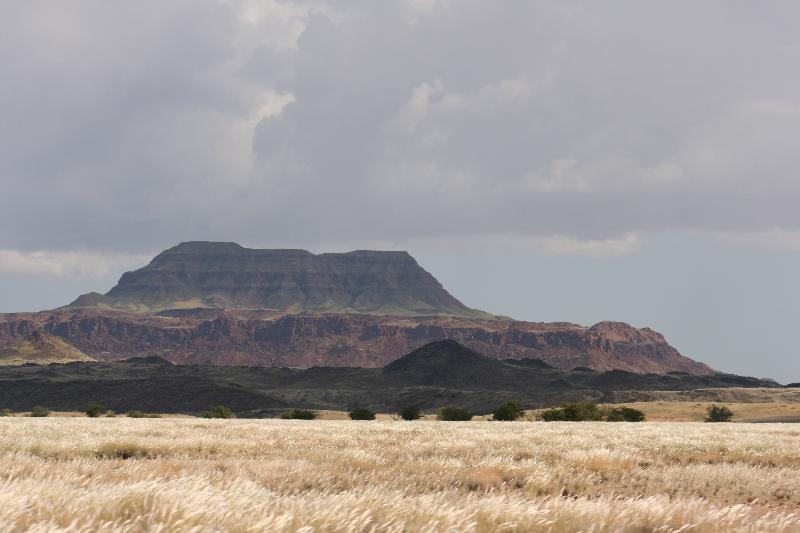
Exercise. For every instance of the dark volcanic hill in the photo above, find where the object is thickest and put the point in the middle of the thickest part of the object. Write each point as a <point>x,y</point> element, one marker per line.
<point>447,364</point>
<point>228,276</point>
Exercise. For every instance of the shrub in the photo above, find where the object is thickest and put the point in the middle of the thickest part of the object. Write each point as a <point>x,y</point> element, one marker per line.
<point>508,412</point>
<point>299,414</point>
<point>94,410</point>
<point>123,450</point>
<point>220,411</point>
<point>454,414</point>
<point>581,411</point>
<point>140,414</point>
<point>39,411</point>
<point>718,413</point>
<point>552,415</point>
<point>625,414</point>
<point>5,412</point>
<point>574,412</point>
<point>361,413</point>
<point>409,413</point>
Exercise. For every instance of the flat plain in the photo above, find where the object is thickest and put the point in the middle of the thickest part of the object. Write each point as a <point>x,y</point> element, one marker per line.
<point>173,474</point>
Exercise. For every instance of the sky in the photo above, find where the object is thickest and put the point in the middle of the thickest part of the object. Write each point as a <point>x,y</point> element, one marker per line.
<point>550,161</point>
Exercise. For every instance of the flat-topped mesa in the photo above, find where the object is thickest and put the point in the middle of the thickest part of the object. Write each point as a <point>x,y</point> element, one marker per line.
<point>227,275</point>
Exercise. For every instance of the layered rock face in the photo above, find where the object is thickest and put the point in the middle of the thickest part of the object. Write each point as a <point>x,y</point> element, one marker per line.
<point>226,275</point>
<point>253,338</point>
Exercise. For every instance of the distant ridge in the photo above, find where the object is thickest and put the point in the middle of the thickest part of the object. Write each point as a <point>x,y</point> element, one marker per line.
<point>222,304</point>
<point>225,275</point>
<point>147,360</point>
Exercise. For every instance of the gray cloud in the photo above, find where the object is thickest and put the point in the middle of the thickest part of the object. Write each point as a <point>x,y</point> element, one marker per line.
<point>127,128</point>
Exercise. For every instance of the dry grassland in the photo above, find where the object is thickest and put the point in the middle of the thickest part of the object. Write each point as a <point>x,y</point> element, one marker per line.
<point>696,411</point>
<point>79,474</point>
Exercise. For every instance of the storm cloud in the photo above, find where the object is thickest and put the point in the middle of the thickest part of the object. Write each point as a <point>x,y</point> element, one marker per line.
<point>130,127</point>
<point>563,160</point>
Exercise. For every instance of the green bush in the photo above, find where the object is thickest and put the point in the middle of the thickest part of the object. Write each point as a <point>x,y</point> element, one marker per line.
<point>508,412</point>
<point>94,410</point>
<point>5,412</point>
<point>39,411</point>
<point>409,413</point>
<point>573,412</point>
<point>588,412</point>
<point>220,411</point>
<point>556,414</point>
<point>625,414</point>
<point>454,414</point>
<point>140,414</point>
<point>299,414</point>
<point>361,413</point>
<point>718,413</point>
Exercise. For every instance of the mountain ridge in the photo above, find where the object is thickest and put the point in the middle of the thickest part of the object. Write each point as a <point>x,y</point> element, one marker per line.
<point>220,303</point>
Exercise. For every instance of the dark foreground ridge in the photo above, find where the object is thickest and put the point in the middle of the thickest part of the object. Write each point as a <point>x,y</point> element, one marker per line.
<point>437,374</point>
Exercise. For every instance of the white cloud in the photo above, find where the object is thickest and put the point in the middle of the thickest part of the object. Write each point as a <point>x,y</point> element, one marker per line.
<point>500,245</point>
<point>774,238</point>
<point>566,245</point>
<point>59,263</point>
<point>780,108</point>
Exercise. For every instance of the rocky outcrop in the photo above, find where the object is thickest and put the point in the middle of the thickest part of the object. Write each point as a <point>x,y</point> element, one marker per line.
<point>42,349</point>
<point>226,275</point>
<point>257,338</point>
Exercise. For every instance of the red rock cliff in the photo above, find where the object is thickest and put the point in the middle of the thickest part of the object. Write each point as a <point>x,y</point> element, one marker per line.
<point>257,339</point>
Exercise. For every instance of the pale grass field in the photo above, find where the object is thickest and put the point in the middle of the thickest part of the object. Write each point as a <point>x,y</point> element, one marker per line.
<point>172,474</point>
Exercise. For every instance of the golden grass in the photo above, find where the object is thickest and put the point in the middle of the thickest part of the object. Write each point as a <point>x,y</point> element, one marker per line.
<point>118,474</point>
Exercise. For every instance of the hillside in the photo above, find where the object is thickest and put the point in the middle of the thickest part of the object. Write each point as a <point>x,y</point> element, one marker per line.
<point>229,276</point>
<point>41,348</point>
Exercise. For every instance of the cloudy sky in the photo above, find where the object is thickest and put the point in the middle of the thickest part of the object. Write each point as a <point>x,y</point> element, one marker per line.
<point>570,161</point>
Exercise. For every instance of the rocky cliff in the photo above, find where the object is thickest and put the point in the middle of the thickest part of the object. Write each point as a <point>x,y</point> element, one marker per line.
<point>226,275</point>
<point>256,338</point>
